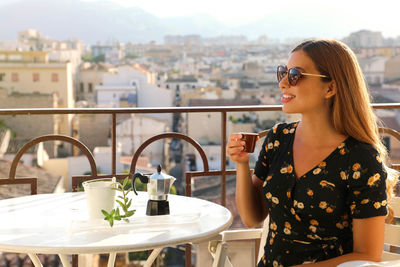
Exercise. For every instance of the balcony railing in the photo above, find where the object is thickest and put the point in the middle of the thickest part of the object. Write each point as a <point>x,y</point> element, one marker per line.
<point>114,112</point>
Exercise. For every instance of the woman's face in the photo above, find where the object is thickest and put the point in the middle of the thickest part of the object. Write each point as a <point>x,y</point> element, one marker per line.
<point>310,92</point>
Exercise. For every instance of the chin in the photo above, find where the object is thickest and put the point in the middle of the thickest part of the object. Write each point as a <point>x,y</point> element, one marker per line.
<point>289,110</point>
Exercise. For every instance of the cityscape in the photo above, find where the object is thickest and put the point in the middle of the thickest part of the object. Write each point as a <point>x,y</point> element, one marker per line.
<point>177,70</point>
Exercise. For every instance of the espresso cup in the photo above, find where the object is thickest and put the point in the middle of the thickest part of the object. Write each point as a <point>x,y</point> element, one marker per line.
<point>250,139</point>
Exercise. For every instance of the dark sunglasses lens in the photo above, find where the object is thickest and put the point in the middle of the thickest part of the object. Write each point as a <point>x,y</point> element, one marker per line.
<point>280,73</point>
<point>293,76</point>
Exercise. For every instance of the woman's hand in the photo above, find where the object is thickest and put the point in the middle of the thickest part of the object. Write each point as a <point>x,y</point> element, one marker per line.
<point>234,149</point>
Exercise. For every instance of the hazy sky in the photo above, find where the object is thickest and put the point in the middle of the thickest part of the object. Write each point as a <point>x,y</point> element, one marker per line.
<point>383,15</point>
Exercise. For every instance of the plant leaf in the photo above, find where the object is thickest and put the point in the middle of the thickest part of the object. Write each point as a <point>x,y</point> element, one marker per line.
<point>129,203</point>
<point>125,182</point>
<point>120,203</point>
<point>129,213</point>
<point>105,212</point>
<point>117,212</point>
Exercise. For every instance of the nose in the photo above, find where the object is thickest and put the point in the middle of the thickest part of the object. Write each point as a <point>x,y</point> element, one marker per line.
<point>284,83</point>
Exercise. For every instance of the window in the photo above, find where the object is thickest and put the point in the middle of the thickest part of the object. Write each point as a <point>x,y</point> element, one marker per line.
<point>81,87</point>
<point>14,77</point>
<point>54,77</point>
<point>2,76</point>
<point>36,77</point>
<point>90,87</point>
<point>14,57</point>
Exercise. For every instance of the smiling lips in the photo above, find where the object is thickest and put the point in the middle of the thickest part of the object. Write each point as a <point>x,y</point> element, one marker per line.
<point>287,98</point>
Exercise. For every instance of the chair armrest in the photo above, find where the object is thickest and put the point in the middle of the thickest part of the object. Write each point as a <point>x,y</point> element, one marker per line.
<point>243,234</point>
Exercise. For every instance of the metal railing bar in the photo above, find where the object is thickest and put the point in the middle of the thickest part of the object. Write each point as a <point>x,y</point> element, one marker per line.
<point>114,144</point>
<point>223,158</point>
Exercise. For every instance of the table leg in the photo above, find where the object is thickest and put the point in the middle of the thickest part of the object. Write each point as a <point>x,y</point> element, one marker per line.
<point>152,257</point>
<point>34,258</point>
<point>111,259</point>
<point>64,260</point>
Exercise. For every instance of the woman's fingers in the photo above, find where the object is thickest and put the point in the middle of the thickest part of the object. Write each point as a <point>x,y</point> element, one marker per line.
<point>235,140</point>
<point>235,137</point>
<point>234,150</point>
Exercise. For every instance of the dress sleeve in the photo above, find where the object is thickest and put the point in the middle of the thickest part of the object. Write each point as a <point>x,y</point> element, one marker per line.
<point>367,183</point>
<point>264,158</point>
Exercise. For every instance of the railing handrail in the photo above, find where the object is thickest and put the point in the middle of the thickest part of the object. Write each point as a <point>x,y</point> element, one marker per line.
<point>38,111</point>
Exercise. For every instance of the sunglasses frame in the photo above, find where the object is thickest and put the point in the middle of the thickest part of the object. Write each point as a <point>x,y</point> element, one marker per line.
<point>301,74</point>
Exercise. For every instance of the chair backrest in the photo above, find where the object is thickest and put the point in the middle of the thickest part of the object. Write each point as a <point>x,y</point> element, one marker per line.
<point>392,233</point>
<point>20,181</point>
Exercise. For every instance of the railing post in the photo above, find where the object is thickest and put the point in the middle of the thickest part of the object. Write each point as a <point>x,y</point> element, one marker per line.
<point>114,144</point>
<point>223,158</point>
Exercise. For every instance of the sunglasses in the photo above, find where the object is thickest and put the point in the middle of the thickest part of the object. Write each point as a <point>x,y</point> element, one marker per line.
<point>294,74</point>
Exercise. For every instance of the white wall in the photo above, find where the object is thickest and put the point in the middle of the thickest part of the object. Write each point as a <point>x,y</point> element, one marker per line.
<point>110,95</point>
<point>68,167</point>
<point>133,132</point>
<point>102,156</point>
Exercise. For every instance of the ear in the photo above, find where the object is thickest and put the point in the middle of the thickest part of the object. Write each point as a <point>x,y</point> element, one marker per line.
<point>331,90</point>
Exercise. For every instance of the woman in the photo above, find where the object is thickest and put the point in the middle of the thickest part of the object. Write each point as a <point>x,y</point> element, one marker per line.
<point>322,180</point>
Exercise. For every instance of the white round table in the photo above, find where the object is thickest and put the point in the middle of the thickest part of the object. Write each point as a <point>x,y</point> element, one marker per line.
<point>59,224</point>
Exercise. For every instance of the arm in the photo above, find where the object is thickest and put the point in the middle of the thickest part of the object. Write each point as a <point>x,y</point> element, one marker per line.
<point>367,243</point>
<point>251,205</point>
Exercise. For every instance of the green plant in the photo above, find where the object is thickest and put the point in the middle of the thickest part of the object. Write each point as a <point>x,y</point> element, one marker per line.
<point>125,203</point>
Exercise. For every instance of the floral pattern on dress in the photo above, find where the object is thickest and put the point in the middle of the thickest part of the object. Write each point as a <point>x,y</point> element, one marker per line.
<point>311,216</point>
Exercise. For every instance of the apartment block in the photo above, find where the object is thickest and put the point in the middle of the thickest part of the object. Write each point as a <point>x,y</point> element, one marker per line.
<point>30,72</point>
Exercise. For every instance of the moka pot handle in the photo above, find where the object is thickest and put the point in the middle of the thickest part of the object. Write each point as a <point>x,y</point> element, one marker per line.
<point>143,178</point>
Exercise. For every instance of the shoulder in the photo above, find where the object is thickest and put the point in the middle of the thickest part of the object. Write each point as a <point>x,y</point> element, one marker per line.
<point>283,128</point>
<point>279,135</point>
<point>363,152</point>
<point>365,164</point>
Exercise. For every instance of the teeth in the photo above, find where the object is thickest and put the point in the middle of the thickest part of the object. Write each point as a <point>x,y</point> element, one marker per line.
<point>288,96</point>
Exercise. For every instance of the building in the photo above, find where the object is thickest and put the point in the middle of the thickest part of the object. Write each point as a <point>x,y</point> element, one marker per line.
<point>392,69</point>
<point>385,51</point>
<point>91,75</point>
<point>364,38</point>
<point>133,86</point>
<point>205,128</point>
<point>134,131</point>
<point>373,69</point>
<point>182,84</point>
<point>30,74</point>
<point>29,127</point>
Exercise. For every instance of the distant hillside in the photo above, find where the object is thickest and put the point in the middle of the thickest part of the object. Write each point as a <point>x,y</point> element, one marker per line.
<point>88,21</point>
<point>98,21</point>
<point>104,20</point>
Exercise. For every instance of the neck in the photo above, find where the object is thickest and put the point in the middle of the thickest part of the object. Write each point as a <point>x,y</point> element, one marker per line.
<point>317,130</point>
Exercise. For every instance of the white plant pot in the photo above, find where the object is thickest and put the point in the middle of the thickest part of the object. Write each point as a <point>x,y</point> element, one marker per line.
<point>100,196</point>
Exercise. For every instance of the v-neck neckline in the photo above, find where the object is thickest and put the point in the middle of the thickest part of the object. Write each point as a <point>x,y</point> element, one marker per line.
<point>334,152</point>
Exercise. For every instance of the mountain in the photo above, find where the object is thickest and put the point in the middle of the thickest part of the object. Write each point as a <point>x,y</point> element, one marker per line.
<point>104,20</point>
<point>88,21</point>
<point>98,21</point>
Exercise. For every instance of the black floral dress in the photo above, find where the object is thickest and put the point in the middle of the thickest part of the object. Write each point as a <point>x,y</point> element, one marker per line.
<point>311,216</point>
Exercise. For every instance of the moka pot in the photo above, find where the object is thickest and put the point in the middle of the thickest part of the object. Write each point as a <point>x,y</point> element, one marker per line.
<point>158,187</point>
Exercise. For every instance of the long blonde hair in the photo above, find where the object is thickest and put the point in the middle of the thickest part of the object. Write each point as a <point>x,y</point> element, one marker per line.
<point>351,109</point>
